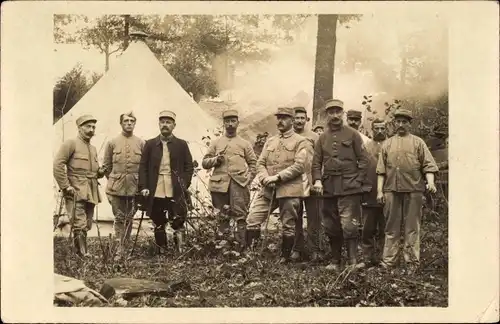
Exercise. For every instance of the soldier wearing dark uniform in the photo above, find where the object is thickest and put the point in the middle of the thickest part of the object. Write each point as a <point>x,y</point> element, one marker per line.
<point>76,171</point>
<point>311,202</point>
<point>121,166</point>
<point>404,166</point>
<point>165,174</point>
<point>234,163</point>
<point>340,153</point>
<point>373,223</point>
<point>280,170</point>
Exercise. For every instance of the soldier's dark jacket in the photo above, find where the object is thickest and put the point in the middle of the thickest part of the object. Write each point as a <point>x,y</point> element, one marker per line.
<point>344,160</point>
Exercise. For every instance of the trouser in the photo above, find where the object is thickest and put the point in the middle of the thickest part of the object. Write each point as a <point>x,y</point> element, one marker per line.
<point>124,209</point>
<point>373,232</point>
<point>163,207</point>
<point>289,208</point>
<point>237,199</point>
<point>341,216</point>
<point>313,211</point>
<point>406,208</point>
<point>83,214</point>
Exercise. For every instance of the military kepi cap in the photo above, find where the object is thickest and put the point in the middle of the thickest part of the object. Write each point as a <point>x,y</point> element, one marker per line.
<point>334,103</point>
<point>403,113</point>
<point>167,114</point>
<point>285,111</point>
<point>230,113</point>
<point>318,126</point>
<point>355,114</point>
<point>300,109</point>
<point>85,119</point>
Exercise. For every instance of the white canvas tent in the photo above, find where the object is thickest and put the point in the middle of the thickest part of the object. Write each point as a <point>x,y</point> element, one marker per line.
<point>138,82</point>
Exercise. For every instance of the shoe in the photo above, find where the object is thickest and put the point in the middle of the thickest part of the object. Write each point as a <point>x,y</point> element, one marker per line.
<point>179,240</point>
<point>286,248</point>
<point>295,256</point>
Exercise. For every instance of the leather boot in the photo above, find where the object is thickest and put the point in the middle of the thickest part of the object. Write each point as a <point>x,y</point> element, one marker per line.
<point>85,250</point>
<point>286,248</point>
<point>224,230</point>
<point>240,234</point>
<point>179,240</point>
<point>336,252</point>
<point>160,237</point>
<point>352,251</point>
<point>252,236</point>
<point>295,256</point>
<point>76,243</point>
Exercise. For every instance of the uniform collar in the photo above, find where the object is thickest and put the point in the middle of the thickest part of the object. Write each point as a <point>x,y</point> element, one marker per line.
<point>86,141</point>
<point>160,139</point>
<point>288,133</point>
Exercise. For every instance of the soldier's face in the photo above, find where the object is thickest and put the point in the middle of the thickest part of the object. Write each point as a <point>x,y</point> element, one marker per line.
<point>87,130</point>
<point>231,124</point>
<point>299,121</point>
<point>379,131</point>
<point>334,116</point>
<point>128,124</point>
<point>354,122</point>
<point>402,125</point>
<point>285,123</point>
<point>167,125</point>
<point>319,130</point>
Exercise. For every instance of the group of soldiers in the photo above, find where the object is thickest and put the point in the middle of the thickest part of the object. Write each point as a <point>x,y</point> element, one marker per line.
<point>343,179</point>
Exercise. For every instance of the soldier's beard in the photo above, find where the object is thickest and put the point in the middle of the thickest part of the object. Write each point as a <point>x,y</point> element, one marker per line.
<point>379,137</point>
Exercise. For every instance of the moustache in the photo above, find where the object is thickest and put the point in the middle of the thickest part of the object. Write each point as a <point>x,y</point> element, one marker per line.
<point>280,124</point>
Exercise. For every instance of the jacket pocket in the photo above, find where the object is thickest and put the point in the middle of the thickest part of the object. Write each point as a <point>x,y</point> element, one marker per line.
<point>80,161</point>
<point>117,152</point>
<point>350,181</point>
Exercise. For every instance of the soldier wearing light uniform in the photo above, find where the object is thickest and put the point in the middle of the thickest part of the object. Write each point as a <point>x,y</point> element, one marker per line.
<point>165,173</point>
<point>76,171</point>
<point>312,203</point>
<point>121,166</point>
<point>339,172</point>
<point>354,120</point>
<point>234,167</point>
<point>404,165</point>
<point>281,166</point>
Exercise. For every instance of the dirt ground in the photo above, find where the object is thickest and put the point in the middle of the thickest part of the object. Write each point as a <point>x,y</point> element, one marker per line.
<point>218,276</point>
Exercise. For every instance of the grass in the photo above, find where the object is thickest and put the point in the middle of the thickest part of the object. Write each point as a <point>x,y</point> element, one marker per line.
<point>220,277</point>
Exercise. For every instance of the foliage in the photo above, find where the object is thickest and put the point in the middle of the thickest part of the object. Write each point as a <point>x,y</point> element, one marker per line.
<point>219,276</point>
<point>70,89</point>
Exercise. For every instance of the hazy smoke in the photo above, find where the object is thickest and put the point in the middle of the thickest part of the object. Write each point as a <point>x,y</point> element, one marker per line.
<point>377,42</point>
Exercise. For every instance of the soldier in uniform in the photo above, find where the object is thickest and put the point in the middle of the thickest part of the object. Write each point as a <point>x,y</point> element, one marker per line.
<point>121,167</point>
<point>76,171</point>
<point>404,165</point>
<point>374,223</point>
<point>318,129</point>
<point>234,163</point>
<point>354,120</point>
<point>312,203</point>
<point>280,169</point>
<point>165,174</point>
<point>339,151</point>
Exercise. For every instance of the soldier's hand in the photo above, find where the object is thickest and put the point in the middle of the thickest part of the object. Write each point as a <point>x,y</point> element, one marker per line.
<point>318,187</point>
<point>145,192</point>
<point>270,180</point>
<point>69,191</point>
<point>220,160</point>
<point>431,187</point>
<point>380,197</point>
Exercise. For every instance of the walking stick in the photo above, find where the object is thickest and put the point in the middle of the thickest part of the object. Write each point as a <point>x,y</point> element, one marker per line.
<point>137,234</point>
<point>56,218</point>
<point>267,221</point>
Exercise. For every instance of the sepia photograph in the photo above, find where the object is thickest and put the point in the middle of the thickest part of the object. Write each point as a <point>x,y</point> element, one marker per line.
<point>250,160</point>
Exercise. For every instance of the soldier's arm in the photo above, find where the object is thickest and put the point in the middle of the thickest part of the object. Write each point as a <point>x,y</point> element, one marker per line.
<point>209,160</point>
<point>381,167</point>
<point>261,163</point>
<point>427,161</point>
<point>107,163</point>
<point>361,156</point>
<point>60,163</point>
<point>317,160</point>
<point>298,166</point>
<point>251,160</point>
<point>188,166</point>
<point>144,167</point>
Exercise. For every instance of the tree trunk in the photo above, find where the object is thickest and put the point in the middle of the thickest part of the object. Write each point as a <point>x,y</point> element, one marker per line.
<point>106,55</point>
<point>325,63</point>
<point>126,31</point>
